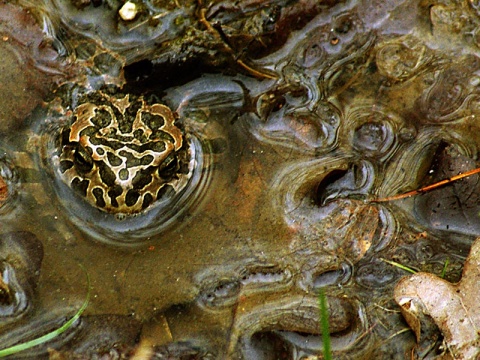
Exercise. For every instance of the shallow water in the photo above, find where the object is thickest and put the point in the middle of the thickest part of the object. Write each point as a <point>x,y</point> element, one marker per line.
<point>341,103</point>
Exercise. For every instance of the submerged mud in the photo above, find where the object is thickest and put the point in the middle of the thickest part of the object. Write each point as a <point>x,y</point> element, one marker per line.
<point>305,113</point>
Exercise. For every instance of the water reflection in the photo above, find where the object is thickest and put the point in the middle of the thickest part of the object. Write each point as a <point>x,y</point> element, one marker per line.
<point>362,103</point>
<point>20,261</point>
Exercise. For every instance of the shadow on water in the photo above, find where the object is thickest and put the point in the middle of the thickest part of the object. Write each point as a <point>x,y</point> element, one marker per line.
<point>249,140</point>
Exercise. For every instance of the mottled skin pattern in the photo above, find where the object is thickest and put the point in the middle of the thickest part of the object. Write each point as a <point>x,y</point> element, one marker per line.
<point>122,152</point>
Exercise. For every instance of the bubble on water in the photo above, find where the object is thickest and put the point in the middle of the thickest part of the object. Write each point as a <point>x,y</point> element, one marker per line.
<point>311,55</point>
<point>286,122</point>
<point>451,95</point>
<point>401,59</point>
<point>371,130</point>
<point>333,277</point>
<point>221,288</point>
<point>376,274</point>
<point>370,136</point>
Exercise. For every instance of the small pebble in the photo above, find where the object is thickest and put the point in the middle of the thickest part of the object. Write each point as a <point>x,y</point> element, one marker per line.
<point>128,11</point>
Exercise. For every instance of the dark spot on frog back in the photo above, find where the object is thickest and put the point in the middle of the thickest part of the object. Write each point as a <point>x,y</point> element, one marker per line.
<point>106,174</point>
<point>159,134</point>
<point>132,160</point>
<point>113,193</point>
<point>102,118</point>
<point>113,159</point>
<point>147,200</point>
<point>131,197</point>
<point>99,200</point>
<point>153,121</point>
<point>80,186</point>
<point>142,178</point>
<point>65,165</point>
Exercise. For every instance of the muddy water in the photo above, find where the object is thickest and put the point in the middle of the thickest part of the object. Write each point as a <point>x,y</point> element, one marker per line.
<point>339,104</point>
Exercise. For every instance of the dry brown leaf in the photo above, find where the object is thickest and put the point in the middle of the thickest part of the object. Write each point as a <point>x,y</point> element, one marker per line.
<point>455,308</point>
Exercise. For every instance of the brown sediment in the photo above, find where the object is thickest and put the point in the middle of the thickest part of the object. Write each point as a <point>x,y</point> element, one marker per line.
<point>3,191</point>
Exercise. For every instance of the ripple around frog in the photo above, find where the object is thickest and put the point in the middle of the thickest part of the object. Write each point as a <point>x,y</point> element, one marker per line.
<point>124,229</point>
<point>201,142</point>
<point>105,122</point>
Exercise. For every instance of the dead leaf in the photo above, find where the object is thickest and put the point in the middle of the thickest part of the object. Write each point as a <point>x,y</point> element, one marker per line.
<point>453,307</point>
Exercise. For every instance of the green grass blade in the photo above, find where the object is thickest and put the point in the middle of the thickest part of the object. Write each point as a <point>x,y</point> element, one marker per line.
<point>51,335</point>
<point>444,270</point>
<point>322,300</point>
<point>403,267</point>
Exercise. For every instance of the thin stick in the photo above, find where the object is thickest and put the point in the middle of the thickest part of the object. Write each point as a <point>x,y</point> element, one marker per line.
<point>203,20</point>
<point>429,187</point>
<point>254,72</point>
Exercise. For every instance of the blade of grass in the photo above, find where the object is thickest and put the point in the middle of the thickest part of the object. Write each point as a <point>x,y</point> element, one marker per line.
<point>53,334</point>
<point>444,270</point>
<point>322,301</point>
<point>403,267</point>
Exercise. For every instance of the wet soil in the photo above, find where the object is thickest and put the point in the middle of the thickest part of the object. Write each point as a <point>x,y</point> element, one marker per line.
<point>311,111</point>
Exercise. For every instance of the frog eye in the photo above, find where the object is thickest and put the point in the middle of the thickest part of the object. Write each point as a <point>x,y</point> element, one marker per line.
<point>82,159</point>
<point>168,166</point>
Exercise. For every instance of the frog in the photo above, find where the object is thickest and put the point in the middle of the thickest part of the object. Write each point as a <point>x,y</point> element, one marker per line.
<point>121,152</point>
<point>123,163</point>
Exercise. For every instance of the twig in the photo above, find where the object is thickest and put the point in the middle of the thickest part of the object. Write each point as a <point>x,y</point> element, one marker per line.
<point>428,187</point>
